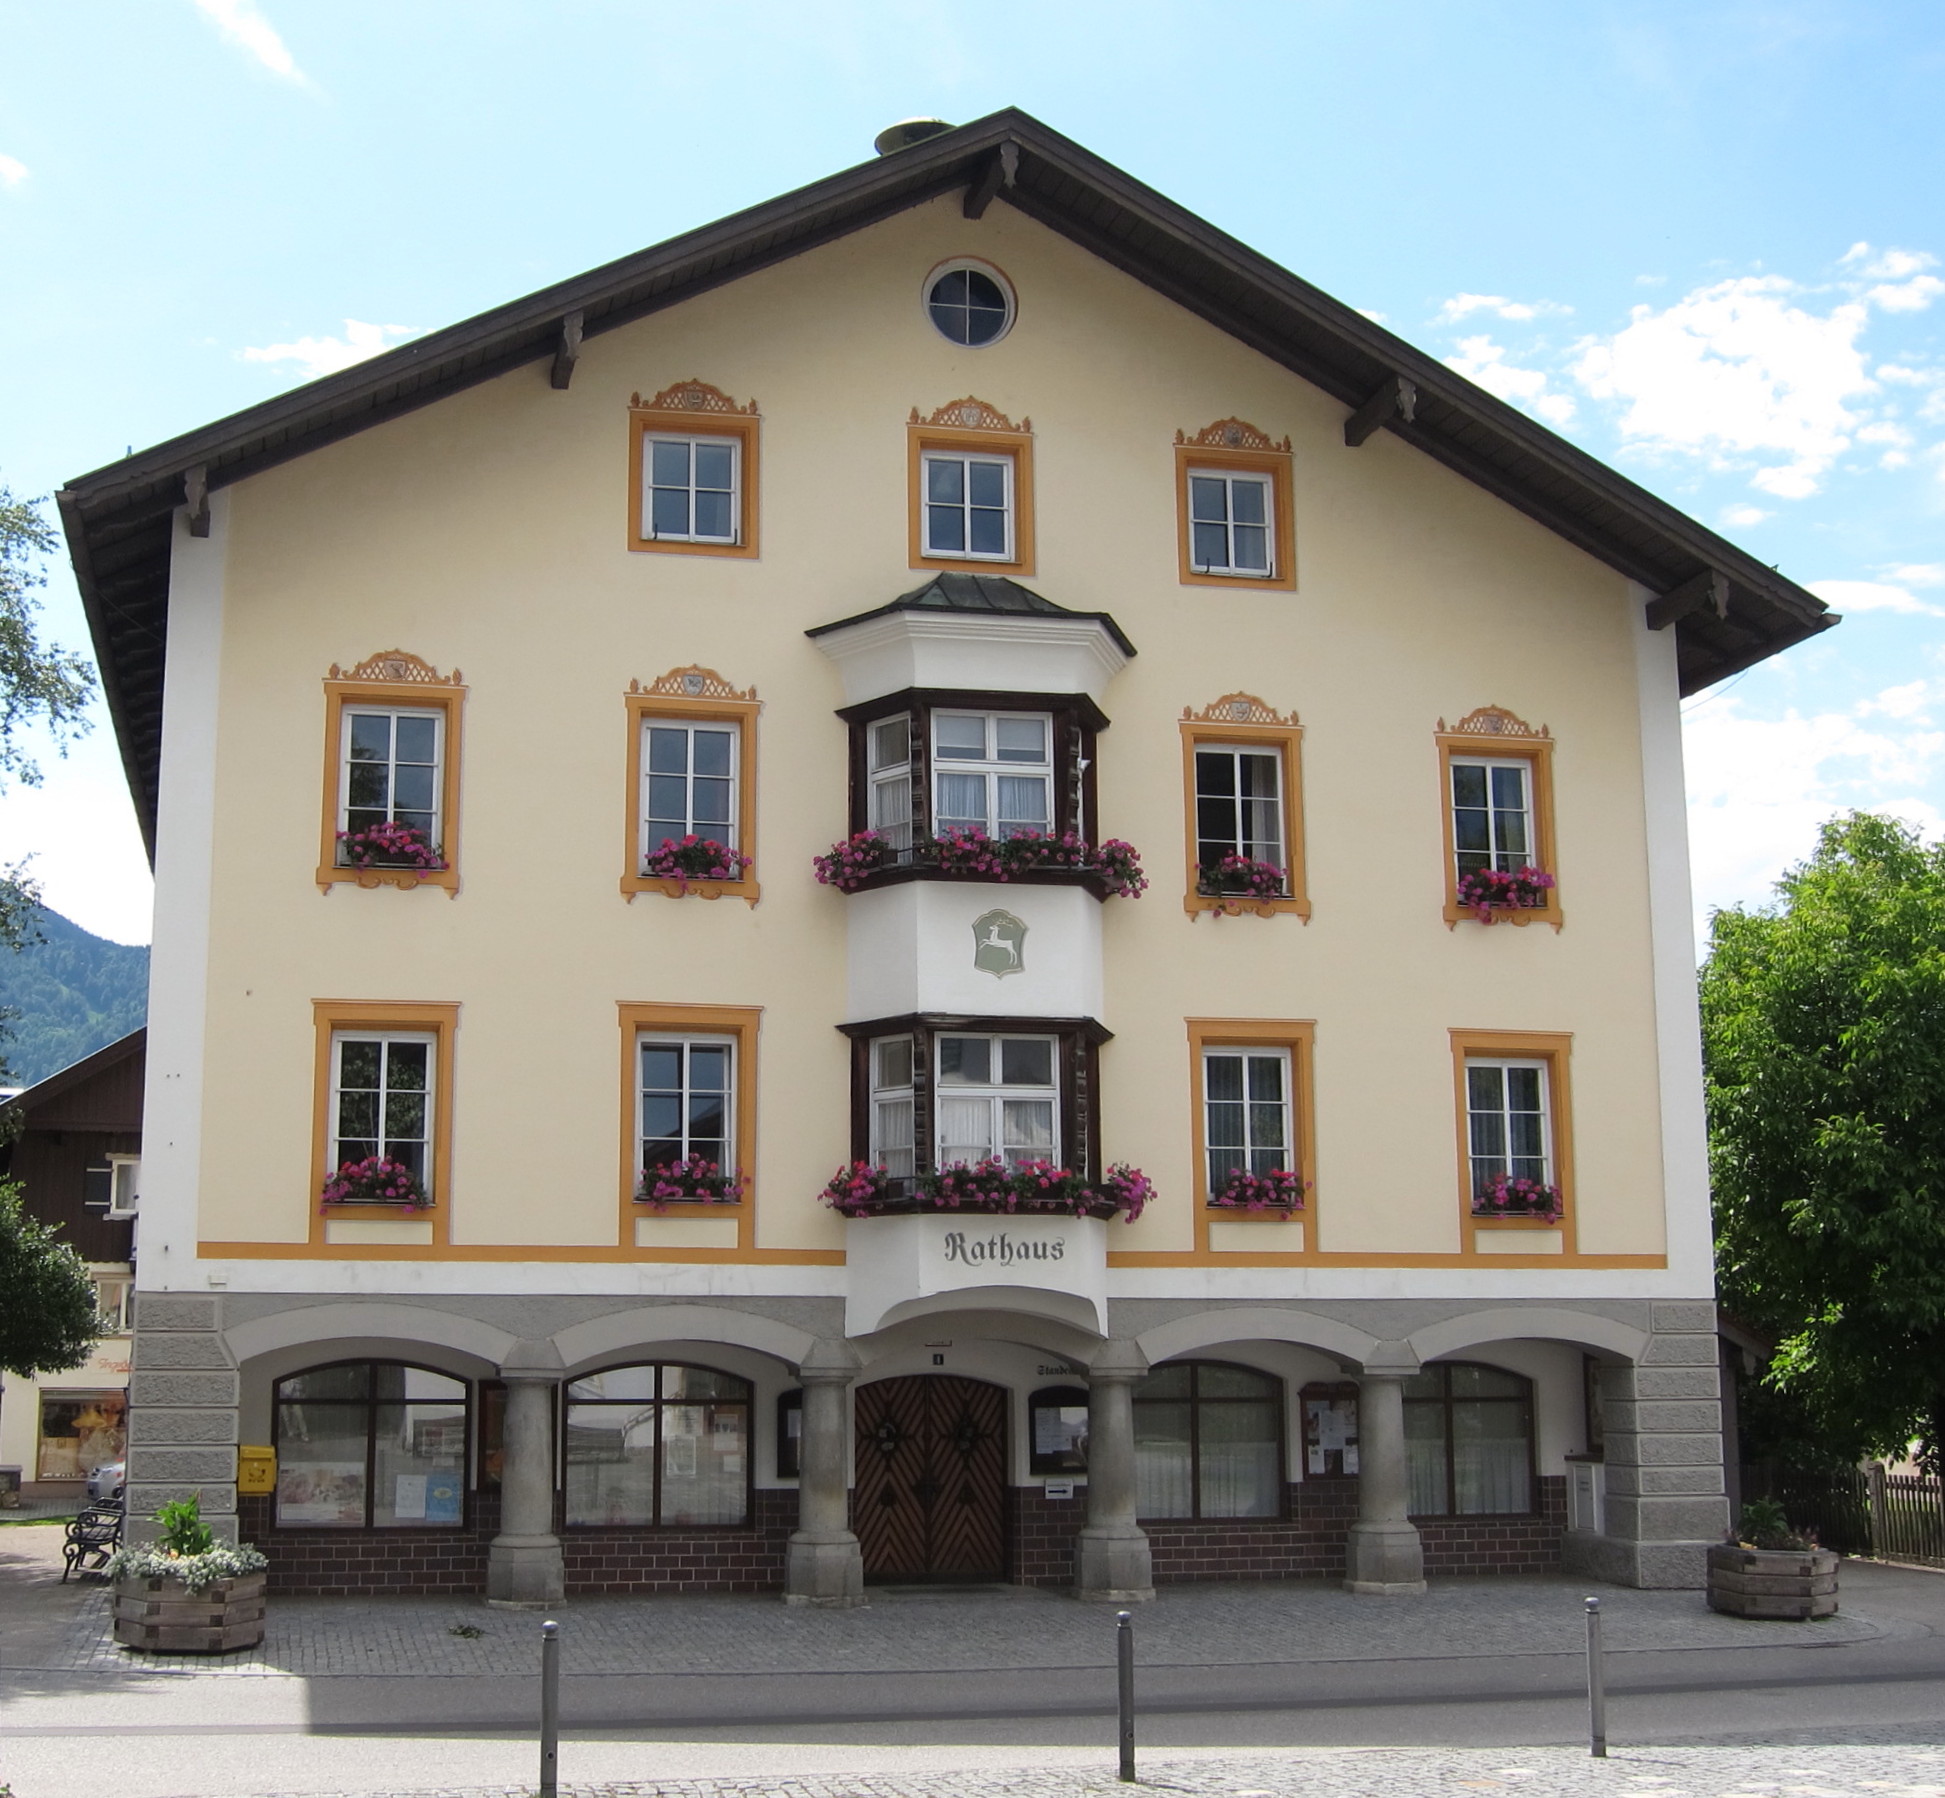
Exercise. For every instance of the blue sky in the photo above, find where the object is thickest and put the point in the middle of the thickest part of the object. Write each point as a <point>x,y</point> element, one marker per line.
<point>1704,240</point>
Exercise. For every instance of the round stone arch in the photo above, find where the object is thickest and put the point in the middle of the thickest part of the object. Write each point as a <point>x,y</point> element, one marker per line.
<point>1544,1323</point>
<point>622,1333</point>
<point>368,1331</point>
<point>1180,1336</point>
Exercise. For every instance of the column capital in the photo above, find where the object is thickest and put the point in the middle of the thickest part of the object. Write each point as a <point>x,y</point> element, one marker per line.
<point>532,1361</point>
<point>1117,1359</point>
<point>1389,1361</point>
<point>831,1361</point>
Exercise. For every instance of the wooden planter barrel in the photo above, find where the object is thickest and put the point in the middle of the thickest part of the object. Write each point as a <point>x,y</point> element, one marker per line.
<point>165,1617</point>
<point>1791,1584</point>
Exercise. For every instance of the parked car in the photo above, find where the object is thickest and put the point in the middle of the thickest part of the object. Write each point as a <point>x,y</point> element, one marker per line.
<point>105,1482</point>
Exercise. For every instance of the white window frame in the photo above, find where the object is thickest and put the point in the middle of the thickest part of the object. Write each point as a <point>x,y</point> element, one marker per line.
<point>726,833</point>
<point>428,1171</point>
<point>889,806</point>
<point>124,1185</point>
<point>436,836</point>
<point>687,1042</point>
<point>1502,860</point>
<point>893,1111</point>
<point>992,769</point>
<point>1230,479</point>
<point>690,440</point>
<point>114,1295</point>
<point>1288,1150</point>
<point>996,1094</point>
<point>1234,753</point>
<point>1008,465</point>
<point>1479,1165</point>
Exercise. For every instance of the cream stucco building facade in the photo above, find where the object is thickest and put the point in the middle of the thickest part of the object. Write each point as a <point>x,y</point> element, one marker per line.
<point>976,489</point>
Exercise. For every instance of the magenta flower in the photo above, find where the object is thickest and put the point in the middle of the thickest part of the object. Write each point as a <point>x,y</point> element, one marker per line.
<point>377,1180</point>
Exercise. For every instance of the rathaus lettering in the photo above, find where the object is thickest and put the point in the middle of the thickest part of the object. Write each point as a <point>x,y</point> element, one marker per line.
<point>1000,1250</point>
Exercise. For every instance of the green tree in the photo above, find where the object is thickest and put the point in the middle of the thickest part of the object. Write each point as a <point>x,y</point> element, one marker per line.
<point>1823,1022</point>
<point>47,1301</point>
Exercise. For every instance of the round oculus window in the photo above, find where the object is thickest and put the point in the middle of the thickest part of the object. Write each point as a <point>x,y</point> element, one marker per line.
<point>969,303</point>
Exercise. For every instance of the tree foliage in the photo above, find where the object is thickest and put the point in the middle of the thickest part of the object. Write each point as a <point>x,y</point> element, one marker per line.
<point>47,1301</point>
<point>1823,1025</point>
<point>36,681</point>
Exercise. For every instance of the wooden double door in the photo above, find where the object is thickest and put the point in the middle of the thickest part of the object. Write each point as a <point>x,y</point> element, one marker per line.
<point>930,1493</point>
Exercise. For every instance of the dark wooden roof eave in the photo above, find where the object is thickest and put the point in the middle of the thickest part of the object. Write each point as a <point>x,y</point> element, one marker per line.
<point>119,519</point>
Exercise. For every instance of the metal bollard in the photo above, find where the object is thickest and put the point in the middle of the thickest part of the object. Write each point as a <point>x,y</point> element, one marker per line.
<point>1124,1647</point>
<point>550,1709</point>
<point>1596,1684</point>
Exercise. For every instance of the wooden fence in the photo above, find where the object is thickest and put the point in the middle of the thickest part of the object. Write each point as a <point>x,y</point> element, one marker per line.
<point>1866,1511</point>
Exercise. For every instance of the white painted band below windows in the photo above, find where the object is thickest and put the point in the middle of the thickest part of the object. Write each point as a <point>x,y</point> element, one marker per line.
<point>968,505</point>
<point>691,489</point>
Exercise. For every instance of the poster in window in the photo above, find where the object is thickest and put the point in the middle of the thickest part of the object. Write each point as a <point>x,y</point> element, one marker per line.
<point>1330,1430</point>
<point>442,1498</point>
<point>408,1498</point>
<point>1058,1424</point>
<point>329,1493</point>
<point>679,1457</point>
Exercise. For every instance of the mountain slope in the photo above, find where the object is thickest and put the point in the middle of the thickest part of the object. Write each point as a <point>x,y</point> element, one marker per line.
<point>74,993</point>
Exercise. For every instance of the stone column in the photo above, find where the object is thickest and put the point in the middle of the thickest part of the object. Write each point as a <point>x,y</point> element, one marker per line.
<point>825,1566</point>
<point>182,1418</point>
<point>1111,1559</point>
<point>523,1566</point>
<point>1662,1424</point>
<point>1385,1557</point>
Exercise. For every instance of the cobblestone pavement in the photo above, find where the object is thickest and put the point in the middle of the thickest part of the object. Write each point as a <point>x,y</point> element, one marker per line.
<point>1767,1771</point>
<point>1010,1628</point>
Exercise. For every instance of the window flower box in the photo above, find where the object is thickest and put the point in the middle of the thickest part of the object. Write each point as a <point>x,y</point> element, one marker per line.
<point>991,1188</point>
<point>694,865</point>
<point>1504,1196</point>
<point>389,845</point>
<point>377,1180</point>
<point>1111,868</point>
<point>691,1181</point>
<point>1242,877</point>
<point>1491,893</point>
<point>1280,1189</point>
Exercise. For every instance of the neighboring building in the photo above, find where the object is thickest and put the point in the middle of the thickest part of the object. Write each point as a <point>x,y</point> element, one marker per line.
<point>871,508</point>
<point>73,1144</point>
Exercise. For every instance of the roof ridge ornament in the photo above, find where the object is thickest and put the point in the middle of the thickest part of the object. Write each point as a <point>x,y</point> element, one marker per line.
<point>1232,434</point>
<point>1239,708</point>
<point>692,396</point>
<point>692,682</point>
<point>1493,721</point>
<point>400,668</point>
<point>971,413</point>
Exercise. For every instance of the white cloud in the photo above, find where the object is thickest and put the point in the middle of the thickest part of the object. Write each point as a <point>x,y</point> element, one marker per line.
<point>1758,788</point>
<point>241,24</point>
<point>1907,296</point>
<point>1917,574</point>
<point>1889,265</point>
<point>12,171</point>
<point>1740,518</point>
<point>315,356</point>
<point>1735,372</point>
<point>1377,318</point>
<point>1871,596</point>
<point>1463,305</point>
<point>1480,359</point>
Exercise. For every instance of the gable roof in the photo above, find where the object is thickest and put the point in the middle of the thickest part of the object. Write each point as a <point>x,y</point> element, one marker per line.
<point>77,1074</point>
<point>1729,610</point>
<point>977,593</point>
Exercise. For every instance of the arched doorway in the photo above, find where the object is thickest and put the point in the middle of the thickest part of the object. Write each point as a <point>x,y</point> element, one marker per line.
<point>931,1479</point>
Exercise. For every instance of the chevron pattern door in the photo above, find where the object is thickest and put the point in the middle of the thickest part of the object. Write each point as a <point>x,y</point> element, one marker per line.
<point>931,1479</point>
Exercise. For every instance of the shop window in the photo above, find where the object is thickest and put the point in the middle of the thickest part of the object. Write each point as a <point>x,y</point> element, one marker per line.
<point>971,499</point>
<point>1208,1442</point>
<point>692,472</point>
<point>657,1445</point>
<point>79,1432</point>
<point>790,1434</point>
<point>1469,1441</point>
<point>371,1445</point>
<point>391,775</point>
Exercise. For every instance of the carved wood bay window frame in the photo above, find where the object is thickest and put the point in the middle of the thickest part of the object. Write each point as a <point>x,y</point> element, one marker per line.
<point>335,1019</point>
<point>1077,1078</point>
<point>693,409</point>
<point>1493,734</point>
<point>691,695</point>
<point>391,681</point>
<point>1227,447</point>
<point>1552,1050</point>
<point>1076,724</point>
<point>1243,721</point>
<point>736,1024</point>
<point>971,426</point>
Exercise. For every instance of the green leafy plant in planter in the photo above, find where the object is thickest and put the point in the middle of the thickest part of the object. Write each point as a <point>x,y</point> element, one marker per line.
<point>1764,1525</point>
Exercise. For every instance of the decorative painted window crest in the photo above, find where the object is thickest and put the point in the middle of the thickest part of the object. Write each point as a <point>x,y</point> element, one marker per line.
<point>397,668</point>
<point>1232,434</point>
<point>692,682</point>
<point>972,414</point>
<point>1494,721</point>
<point>692,396</point>
<point>1240,708</point>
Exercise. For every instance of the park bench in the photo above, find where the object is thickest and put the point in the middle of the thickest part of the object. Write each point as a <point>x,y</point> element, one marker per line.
<point>91,1539</point>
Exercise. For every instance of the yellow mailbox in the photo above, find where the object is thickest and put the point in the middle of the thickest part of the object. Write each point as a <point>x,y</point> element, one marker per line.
<point>256,1471</point>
